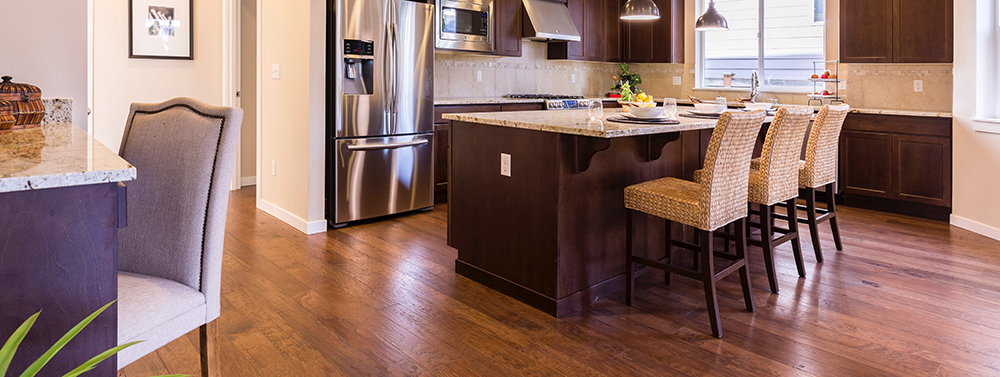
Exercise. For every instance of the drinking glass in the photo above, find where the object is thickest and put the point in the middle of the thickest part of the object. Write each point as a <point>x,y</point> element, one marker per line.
<point>595,109</point>
<point>670,107</point>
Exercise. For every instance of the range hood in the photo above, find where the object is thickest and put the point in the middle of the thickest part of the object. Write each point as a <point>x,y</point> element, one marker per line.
<point>548,21</point>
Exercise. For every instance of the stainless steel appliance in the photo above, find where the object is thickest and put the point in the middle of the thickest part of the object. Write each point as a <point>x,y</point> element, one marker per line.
<point>548,21</point>
<point>465,25</point>
<point>380,110</point>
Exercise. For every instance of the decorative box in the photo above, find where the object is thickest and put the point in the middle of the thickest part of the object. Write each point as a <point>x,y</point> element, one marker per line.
<point>6,116</point>
<point>26,101</point>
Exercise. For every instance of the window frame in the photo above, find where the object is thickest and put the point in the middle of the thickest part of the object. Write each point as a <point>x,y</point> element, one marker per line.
<point>699,69</point>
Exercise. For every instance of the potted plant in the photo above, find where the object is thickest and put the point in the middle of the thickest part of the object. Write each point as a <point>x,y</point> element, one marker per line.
<point>626,77</point>
<point>10,347</point>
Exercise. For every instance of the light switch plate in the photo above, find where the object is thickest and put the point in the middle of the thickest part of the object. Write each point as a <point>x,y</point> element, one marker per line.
<point>573,78</point>
<point>275,71</point>
<point>479,75</point>
<point>918,85</point>
<point>677,80</point>
<point>505,165</point>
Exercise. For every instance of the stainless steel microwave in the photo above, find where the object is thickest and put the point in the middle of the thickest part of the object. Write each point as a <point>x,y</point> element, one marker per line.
<point>464,25</point>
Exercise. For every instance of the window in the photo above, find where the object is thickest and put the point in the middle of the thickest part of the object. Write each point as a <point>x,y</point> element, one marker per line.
<point>780,39</point>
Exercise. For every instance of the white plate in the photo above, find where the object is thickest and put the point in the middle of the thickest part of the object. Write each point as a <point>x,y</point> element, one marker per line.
<point>633,116</point>
<point>696,112</point>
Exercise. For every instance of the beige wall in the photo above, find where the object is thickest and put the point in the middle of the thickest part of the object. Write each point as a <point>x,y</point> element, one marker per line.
<point>976,165</point>
<point>119,81</point>
<point>292,111</point>
<point>886,86</point>
<point>248,87</point>
<point>45,44</point>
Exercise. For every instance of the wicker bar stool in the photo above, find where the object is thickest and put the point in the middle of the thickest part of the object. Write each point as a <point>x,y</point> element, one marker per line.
<point>774,179</point>
<point>820,169</point>
<point>717,197</point>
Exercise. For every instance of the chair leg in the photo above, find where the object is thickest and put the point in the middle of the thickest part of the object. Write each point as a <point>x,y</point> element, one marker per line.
<point>813,226</point>
<point>741,252</point>
<point>767,243</point>
<point>708,277</point>
<point>832,207</point>
<point>668,248</point>
<point>629,264</point>
<point>793,225</point>
<point>209,339</point>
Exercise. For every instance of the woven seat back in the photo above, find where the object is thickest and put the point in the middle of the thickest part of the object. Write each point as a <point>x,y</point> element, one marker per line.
<point>726,174</point>
<point>779,159</point>
<point>821,150</point>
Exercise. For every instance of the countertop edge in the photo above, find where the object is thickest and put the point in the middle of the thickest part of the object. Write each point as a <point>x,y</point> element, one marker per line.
<point>603,134</point>
<point>40,182</point>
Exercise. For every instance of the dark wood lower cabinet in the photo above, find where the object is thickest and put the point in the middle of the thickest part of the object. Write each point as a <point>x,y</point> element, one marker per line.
<point>900,160</point>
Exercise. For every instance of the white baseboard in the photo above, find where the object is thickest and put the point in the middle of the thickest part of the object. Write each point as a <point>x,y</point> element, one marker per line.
<point>976,227</point>
<point>290,219</point>
<point>248,181</point>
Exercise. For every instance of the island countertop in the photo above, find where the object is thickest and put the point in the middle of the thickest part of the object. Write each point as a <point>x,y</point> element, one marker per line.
<point>57,155</point>
<point>577,122</point>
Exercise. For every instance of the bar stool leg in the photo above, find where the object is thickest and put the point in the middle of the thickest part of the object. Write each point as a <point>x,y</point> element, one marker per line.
<point>708,277</point>
<point>669,249</point>
<point>813,226</point>
<point>741,253</point>
<point>767,243</point>
<point>832,207</point>
<point>629,265</point>
<point>793,226</point>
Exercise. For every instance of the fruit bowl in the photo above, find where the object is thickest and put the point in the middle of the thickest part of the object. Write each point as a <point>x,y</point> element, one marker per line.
<point>711,108</point>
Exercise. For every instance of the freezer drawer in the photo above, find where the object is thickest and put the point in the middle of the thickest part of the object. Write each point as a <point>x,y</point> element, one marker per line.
<point>382,176</point>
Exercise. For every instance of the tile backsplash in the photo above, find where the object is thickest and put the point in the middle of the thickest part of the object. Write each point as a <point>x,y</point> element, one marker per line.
<point>876,86</point>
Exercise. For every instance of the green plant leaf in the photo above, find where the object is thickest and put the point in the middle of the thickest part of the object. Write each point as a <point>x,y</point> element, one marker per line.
<point>44,359</point>
<point>90,364</point>
<point>7,352</point>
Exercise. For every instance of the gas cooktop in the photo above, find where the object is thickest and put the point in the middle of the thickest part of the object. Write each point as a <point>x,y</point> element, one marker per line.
<point>541,96</point>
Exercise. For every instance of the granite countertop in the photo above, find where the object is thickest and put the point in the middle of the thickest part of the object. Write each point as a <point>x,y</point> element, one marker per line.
<point>577,122</point>
<point>680,101</point>
<point>57,155</point>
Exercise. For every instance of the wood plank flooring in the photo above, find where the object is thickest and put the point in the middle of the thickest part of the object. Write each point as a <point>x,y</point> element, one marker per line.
<point>906,297</point>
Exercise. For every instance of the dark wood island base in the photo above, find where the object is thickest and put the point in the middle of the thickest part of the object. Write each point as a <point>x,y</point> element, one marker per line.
<point>552,234</point>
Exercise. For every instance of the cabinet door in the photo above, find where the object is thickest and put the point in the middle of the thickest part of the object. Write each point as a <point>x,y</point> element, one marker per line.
<point>613,32</point>
<point>866,31</point>
<point>507,26</point>
<point>922,31</point>
<point>922,169</point>
<point>866,163</point>
<point>594,32</point>
<point>659,41</point>
<point>440,160</point>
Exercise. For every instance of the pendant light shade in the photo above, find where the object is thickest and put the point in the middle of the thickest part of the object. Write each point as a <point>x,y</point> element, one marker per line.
<point>636,10</point>
<point>711,20</point>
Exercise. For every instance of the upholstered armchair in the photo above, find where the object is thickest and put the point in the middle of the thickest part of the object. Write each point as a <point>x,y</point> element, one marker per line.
<point>170,254</point>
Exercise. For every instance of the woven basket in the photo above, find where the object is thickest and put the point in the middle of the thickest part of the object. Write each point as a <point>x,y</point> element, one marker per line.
<point>26,101</point>
<point>7,118</point>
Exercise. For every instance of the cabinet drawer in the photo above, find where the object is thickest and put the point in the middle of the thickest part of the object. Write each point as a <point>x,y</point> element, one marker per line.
<point>439,111</point>
<point>897,124</point>
<point>522,107</point>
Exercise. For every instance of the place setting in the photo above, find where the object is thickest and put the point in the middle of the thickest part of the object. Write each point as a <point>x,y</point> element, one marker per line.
<point>648,113</point>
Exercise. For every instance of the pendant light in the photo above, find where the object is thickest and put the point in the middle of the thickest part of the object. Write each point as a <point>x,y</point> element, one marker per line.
<point>711,20</point>
<point>637,10</point>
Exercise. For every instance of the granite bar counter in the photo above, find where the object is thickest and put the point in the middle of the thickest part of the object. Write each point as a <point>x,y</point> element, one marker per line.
<point>61,204</point>
<point>552,233</point>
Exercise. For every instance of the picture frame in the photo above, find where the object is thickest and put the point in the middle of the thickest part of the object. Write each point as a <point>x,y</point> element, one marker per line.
<point>161,29</point>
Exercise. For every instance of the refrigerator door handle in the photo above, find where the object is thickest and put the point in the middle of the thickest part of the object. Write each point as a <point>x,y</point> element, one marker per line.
<point>375,147</point>
<point>395,75</point>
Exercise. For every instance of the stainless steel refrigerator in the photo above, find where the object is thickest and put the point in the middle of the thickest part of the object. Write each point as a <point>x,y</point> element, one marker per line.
<point>380,110</point>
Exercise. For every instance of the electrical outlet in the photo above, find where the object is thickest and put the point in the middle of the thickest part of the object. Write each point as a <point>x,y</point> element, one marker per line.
<point>918,85</point>
<point>479,75</point>
<point>842,85</point>
<point>677,80</point>
<point>275,71</point>
<point>274,168</point>
<point>505,165</point>
<point>573,78</point>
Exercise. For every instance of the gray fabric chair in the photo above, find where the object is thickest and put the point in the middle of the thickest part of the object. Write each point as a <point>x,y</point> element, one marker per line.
<point>170,254</point>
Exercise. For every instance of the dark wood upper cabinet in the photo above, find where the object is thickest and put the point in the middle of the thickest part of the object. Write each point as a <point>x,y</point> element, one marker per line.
<point>922,31</point>
<point>507,27</point>
<point>576,50</point>
<point>613,31</point>
<point>896,31</point>
<point>659,41</point>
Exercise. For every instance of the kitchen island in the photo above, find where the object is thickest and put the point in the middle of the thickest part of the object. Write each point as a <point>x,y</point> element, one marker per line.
<point>552,233</point>
<point>61,204</point>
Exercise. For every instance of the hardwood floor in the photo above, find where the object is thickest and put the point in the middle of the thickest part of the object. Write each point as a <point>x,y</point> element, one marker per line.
<point>905,297</point>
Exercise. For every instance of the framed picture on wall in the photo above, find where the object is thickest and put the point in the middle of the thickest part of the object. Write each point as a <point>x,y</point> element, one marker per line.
<point>160,29</point>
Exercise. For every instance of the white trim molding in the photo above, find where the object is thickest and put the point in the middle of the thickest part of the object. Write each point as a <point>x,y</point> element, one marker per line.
<point>296,222</point>
<point>248,181</point>
<point>986,125</point>
<point>975,227</point>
